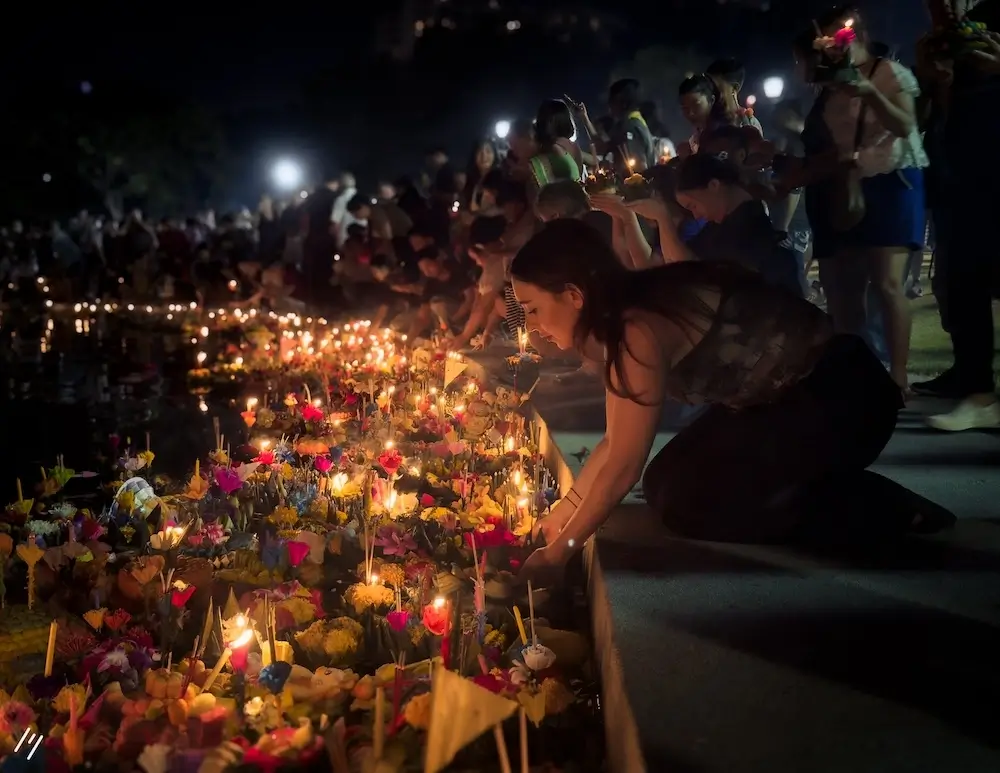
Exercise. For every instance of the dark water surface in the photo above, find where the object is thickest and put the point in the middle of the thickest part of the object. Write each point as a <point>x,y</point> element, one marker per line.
<point>70,381</point>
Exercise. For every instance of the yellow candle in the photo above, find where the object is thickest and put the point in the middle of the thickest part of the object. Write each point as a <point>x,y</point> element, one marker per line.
<point>20,494</point>
<point>50,653</point>
<point>218,669</point>
<point>520,625</point>
<point>282,650</point>
<point>197,468</point>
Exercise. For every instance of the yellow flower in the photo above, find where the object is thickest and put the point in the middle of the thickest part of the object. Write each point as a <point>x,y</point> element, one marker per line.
<point>126,501</point>
<point>95,618</point>
<point>302,610</point>
<point>435,514</point>
<point>284,517</point>
<point>61,703</point>
<point>147,457</point>
<point>417,711</point>
<point>392,574</point>
<point>362,596</point>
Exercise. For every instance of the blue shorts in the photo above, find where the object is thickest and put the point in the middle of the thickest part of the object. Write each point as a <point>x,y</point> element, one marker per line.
<point>895,215</point>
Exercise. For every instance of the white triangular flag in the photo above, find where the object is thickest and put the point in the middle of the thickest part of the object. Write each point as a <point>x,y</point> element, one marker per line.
<point>461,711</point>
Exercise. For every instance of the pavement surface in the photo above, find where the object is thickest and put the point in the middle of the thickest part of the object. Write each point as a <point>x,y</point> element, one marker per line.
<point>751,658</point>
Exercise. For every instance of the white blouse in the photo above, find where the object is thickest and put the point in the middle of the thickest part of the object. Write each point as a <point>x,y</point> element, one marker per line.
<point>880,151</point>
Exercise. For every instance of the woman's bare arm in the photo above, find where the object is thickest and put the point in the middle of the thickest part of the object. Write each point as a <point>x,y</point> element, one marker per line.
<point>629,437</point>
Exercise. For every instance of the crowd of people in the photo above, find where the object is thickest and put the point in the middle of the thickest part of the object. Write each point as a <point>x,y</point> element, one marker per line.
<point>850,182</point>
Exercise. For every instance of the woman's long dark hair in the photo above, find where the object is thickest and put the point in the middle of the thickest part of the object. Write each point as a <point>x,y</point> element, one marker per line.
<point>571,253</point>
<point>704,84</point>
<point>472,174</point>
<point>553,122</point>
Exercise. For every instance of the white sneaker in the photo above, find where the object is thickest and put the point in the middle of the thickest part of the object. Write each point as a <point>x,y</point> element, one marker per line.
<point>968,415</point>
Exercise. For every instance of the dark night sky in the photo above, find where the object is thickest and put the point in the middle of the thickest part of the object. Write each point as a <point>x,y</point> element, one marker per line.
<point>251,62</point>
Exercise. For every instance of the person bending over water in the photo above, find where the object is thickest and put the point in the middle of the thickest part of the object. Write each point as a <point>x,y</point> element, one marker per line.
<point>795,412</point>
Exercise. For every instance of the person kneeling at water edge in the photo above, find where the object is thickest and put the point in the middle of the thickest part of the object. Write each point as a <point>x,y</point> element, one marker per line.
<point>796,413</point>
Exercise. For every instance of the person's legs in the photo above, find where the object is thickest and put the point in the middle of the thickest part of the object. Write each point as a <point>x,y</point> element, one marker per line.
<point>887,267</point>
<point>970,319</point>
<point>939,281</point>
<point>743,476</point>
<point>845,281</point>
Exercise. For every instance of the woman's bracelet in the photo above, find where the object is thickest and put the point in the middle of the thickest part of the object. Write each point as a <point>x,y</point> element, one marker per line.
<point>573,498</point>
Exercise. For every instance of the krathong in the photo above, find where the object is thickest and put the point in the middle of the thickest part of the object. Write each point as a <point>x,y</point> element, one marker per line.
<point>316,589</point>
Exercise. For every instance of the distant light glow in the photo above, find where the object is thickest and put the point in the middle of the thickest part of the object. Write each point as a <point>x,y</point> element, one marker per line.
<point>502,129</point>
<point>287,175</point>
<point>774,87</point>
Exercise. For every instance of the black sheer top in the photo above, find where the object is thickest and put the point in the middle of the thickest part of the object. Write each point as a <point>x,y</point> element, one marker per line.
<point>759,341</point>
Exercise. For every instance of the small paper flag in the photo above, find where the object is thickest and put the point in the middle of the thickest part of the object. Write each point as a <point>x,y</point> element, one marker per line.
<point>453,369</point>
<point>461,711</point>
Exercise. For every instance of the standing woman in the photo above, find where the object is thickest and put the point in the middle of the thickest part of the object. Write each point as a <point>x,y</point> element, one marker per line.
<point>866,131</point>
<point>558,157</point>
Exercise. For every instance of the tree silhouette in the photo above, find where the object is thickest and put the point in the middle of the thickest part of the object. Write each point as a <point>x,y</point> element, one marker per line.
<point>131,147</point>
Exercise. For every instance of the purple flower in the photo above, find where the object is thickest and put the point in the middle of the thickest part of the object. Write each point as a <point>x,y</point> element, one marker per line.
<point>229,480</point>
<point>394,542</point>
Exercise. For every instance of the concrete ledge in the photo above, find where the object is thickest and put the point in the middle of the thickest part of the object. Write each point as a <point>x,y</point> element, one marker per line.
<point>621,731</point>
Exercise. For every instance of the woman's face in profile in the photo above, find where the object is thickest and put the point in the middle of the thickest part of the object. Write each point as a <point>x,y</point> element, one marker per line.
<point>704,203</point>
<point>551,315</point>
<point>696,107</point>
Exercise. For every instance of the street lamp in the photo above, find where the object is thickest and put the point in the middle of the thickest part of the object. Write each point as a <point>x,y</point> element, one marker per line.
<point>502,129</point>
<point>774,87</point>
<point>287,175</point>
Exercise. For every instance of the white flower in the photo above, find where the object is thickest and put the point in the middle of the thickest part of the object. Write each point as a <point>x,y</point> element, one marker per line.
<point>64,510</point>
<point>117,659</point>
<point>253,707</point>
<point>154,758</point>
<point>520,674</point>
<point>538,657</point>
<point>42,528</point>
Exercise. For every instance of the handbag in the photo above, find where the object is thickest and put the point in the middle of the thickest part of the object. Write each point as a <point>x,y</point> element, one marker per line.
<point>847,200</point>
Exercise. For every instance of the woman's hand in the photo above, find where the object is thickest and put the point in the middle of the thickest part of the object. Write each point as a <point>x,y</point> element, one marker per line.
<point>542,569</point>
<point>988,60</point>
<point>862,87</point>
<point>550,525</point>
<point>652,209</point>
<point>610,203</point>
<point>577,107</point>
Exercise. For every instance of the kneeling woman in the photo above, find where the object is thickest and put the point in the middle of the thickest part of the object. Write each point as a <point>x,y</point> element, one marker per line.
<point>796,414</point>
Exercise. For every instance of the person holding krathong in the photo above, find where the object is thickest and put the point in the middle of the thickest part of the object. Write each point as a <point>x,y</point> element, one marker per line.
<point>795,412</point>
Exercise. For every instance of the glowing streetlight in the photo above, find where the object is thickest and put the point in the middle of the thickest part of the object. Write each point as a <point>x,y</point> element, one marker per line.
<point>774,87</point>
<point>287,175</point>
<point>502,129</point>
